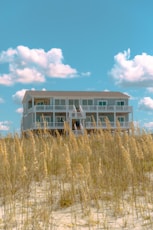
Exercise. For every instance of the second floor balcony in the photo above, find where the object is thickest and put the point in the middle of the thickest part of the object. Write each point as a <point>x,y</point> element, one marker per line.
<point>84,108</point>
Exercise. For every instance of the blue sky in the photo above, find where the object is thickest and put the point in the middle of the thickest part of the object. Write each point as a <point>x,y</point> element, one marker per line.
<point>75,45</point>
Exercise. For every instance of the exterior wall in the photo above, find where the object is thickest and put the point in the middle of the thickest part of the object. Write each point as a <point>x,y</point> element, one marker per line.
<point>28,121</point>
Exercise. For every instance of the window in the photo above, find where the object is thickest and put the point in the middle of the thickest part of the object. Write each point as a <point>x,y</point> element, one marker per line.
<point>74,102</point>
<point>84,102</point>
<point>90,102</point>
<point>120,119</point>
<point>60,118</point>
<point>102,118</point>
<point>59,102</point>
<point>102,103</point>
<point>87,102</point>
<point>120,103</point>
<point>88,118</point>
<point>45,119</point>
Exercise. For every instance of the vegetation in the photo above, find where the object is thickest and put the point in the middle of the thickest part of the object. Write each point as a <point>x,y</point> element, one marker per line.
<point>106,175</point>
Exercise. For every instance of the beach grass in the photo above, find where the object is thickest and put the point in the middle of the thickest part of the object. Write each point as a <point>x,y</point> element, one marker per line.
<point>99,181</point>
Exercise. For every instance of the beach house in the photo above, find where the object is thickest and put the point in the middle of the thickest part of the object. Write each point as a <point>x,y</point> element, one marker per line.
<point>80,110</point>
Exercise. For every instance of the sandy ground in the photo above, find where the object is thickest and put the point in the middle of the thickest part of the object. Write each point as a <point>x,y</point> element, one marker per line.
<point>35,211</point>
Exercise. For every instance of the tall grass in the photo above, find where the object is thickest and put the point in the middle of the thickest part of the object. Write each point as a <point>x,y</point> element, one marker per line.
<point>41,175</point>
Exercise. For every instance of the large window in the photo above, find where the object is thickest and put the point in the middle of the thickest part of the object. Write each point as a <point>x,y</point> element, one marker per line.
<point>59,101</point>
<point>121,118</point>
<point>102,103</point>
<point>74,102</point>
<point>60,118</point>
<point>102,118</point>
<point>45,118</point>
<point>119,103</point>
<point>89,118</point>
<point>87,102</point>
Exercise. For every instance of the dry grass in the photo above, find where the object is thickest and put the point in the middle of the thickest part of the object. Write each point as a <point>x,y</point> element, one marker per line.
<point>101,181</point>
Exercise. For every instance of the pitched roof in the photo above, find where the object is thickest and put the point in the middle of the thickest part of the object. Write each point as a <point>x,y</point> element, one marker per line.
<point>87,94</point>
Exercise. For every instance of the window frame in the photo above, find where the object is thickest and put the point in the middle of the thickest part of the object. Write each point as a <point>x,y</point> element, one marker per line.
<point>103,102</point>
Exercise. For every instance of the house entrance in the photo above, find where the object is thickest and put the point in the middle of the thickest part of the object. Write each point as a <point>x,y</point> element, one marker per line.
<point>76,124</point>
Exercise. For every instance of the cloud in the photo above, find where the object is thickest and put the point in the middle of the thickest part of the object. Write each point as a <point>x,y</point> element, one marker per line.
<point>149,125</point>
<point>34,65</point>
<point>135,72</point>
<point>18,96</point>
<point>86,74</point>
<point>150,89</point>
<point>146,104</point>
<point>19,110</point>
<point>4,125</point>
<point>1,100</point>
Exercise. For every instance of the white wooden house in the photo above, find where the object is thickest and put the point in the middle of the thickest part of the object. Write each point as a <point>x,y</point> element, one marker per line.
<point>79,109</point>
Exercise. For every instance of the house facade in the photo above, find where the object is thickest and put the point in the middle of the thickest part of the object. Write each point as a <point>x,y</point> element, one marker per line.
<point>79,109</point>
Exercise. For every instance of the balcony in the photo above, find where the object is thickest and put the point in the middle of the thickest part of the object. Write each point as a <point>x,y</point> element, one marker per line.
<point>87,125</point>
<point>103,125</point>
<point>109,108</point>
<point>48,125</point>
<point>85,108</point>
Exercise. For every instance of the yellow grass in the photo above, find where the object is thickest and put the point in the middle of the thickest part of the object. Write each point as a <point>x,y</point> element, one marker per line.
<point>101,181</point>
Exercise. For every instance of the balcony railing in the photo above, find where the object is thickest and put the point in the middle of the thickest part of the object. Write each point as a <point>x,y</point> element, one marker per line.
<point>104,125</point>
<point>77,115</point>
<point>48,125</point>
<point>85,108</point>
<point>109,108</point>
<point>87,125</point>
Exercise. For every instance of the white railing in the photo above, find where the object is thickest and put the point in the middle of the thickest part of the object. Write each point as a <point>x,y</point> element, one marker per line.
<point>103,125</point>
<point>48,125</point>
<point>109,108</point>
<point>77,115</point>
<point>50,108</point>
<point>87,125</point>
<point>83,108</point>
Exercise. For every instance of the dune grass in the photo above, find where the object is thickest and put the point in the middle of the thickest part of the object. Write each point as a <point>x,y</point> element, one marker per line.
<point>104,173</point>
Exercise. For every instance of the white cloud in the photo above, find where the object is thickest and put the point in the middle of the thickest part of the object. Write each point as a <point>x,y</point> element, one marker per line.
<point>18,96</point>
<point>149,125</point>
<point>146,104</point>
<point>4,125</point>
<point>28,75</point>
<point>150,89</point>
<point>135,72</point>
<point>60,70</point>
<point>87,74</point>
<point>34,65</point>
<point>19,110</point>
<point>1,100</point>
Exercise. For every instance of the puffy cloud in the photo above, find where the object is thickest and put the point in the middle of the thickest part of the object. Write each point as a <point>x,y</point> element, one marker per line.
<point>60,70</point>
<point>135,72</point>
<point>19,110</point>
<point>18,96</point>
<point>34,65</point>
<point>28,75</point>
<point>4,125</point>
<point>146,104</point>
